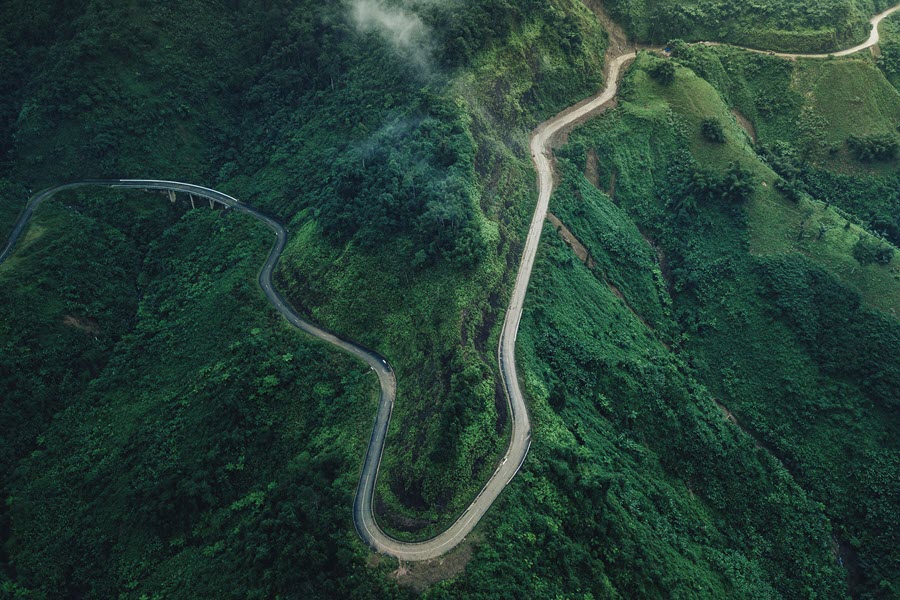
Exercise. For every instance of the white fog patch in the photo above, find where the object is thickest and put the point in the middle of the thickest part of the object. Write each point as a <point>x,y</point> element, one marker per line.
<point>398,25</point>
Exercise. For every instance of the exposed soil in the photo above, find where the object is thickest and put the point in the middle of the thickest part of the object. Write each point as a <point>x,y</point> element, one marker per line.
<point>500,406</point>
<point>847,557</point>
<point>86,325</point>
<point>660,259</point>
<point>562,137</point>
<point>591,168</point>
<point>745,123</point>
<point>729,416</point>
<point>419,576</point>
<point>618,294</point>
<point>619,45</point>
<point>582,253</point>
<point>570,240</point>
<point>618,41</point>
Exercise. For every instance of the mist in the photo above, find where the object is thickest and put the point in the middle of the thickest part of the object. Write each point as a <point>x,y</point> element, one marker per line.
<point>398,25</point>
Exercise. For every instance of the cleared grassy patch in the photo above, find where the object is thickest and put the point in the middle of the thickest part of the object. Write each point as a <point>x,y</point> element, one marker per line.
<point>844,98</point>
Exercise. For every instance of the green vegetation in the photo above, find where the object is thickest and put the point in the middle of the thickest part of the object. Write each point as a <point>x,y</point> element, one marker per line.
<point>403,170</point>
<point>804,115</point>
<point>417,157</point>
<point>872,148</point>
<point>760,323</point>
<point>712,131</point>
<point>889,61</point>
<point>166,434</point>
<point>663,71</point>
<point>785,25</point>
<point>198,431</point>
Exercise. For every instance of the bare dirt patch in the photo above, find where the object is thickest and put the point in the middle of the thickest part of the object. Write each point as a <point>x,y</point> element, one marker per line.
<point>571,241</point>
<point>591,168</point>
<point>729,416</point>
<point>86,325</point>
<point>660,260</point>
<point>618,40</point>
<point>618,294</point>
<point>618,45</point>
<point>419,576</point>
<point>745,123</point>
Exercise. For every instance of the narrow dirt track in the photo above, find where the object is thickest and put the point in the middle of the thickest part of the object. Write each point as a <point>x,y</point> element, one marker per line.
<point>874,37</point>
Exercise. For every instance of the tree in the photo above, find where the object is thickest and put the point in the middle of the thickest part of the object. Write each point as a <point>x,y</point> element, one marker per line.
<point>663,72</point>
<point>871,148</point>
<point>869,250</point>
<point>712,130</point>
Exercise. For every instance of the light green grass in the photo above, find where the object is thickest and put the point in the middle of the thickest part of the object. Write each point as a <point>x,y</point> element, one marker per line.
<point>774,222</point>
<point>843,98</point>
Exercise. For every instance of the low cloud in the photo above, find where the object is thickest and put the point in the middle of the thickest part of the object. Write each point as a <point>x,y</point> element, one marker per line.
<point>398,25</point>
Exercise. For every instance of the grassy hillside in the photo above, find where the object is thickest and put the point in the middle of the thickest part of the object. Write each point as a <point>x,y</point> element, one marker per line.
<point>818,26</point>
<point>779,328</point>
<point>805,116</point>
<point>401,159</point>
<point>406,243</point>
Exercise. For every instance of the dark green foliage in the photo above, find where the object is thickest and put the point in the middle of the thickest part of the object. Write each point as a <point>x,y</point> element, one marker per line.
<point>411,171</point>
<point>889,60</point>
<point>663,71</point>
<point>873,148</point>
<point>380,194</point>
<point>207,455</point>
<point>712,130</point>
<point>406,185</point>
<point>791,189</point>
<point>790,138</point>
<point>200,448</point>
<point>873,199</point>
<point>690,186</point>
<point>868,251</point>
<point>67,297</point>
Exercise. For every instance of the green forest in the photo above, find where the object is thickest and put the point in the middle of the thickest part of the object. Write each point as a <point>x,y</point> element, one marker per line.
<point>712,389</point>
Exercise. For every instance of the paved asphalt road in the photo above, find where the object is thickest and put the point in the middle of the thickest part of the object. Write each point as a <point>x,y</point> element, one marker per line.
<point>363,504</point>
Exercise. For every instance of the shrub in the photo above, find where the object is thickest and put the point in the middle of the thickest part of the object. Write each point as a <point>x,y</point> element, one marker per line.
<point>871,148</point>
<point>663,72</point>
<point>712,131</point>
<point>869,250</point>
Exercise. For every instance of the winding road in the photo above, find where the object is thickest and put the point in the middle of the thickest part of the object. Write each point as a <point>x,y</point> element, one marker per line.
<point>874,37</point>
<point>520,441</point>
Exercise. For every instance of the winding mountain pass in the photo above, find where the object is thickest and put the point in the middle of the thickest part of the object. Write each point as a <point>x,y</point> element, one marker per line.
<point>520,441</point>
<point>874,37</point>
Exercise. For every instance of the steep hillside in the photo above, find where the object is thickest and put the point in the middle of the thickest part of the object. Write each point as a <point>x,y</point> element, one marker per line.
<point>773,314</point>
<point>818,26</point>
<point>298,109</point>
<point>192,430</point>
<point>712,382</point>
<point>889,59</point>
<point>813,119</point>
